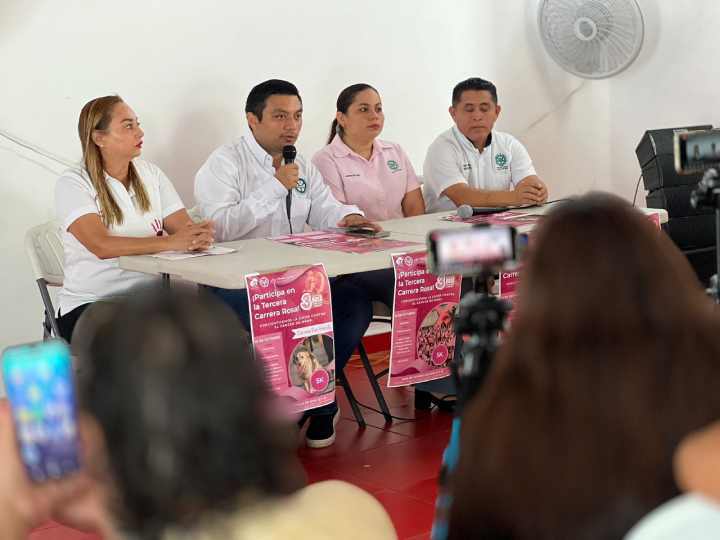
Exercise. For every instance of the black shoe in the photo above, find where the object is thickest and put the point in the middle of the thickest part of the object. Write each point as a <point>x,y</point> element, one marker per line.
<point>424,401</point>
<point>321,430</point>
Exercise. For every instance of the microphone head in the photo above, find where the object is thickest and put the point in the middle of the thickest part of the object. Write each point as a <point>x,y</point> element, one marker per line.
<point>289,153</point>
<point>465,211</point>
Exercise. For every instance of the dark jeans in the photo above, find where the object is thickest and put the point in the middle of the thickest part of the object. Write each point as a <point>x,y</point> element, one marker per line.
<point>379,285</point>
<point>351,317</point>
<point>67,322</point>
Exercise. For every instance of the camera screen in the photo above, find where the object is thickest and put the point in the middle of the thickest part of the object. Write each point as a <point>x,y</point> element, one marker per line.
<point>468,251</point>
<point>697,150</point>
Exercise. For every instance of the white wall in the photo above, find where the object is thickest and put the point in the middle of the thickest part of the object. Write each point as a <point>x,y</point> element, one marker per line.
<point>675,82</point>
<point>186,68</point>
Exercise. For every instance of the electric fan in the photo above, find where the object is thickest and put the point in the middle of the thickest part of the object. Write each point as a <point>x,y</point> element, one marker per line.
<point>593,39</point>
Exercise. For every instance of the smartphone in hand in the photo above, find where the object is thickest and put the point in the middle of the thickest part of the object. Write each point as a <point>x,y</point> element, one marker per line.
<point>39,383</point>
<point>369,232</point>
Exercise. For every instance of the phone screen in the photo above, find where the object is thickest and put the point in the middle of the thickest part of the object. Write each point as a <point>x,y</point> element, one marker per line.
<point>39,384</point>
<point>696,150</point>
<point>468,251</point>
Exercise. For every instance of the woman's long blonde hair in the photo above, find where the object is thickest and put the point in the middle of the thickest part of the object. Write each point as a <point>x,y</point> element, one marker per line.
<point>96,116</point>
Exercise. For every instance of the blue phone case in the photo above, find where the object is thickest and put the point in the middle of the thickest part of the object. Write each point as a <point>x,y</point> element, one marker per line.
<point>39,384</point>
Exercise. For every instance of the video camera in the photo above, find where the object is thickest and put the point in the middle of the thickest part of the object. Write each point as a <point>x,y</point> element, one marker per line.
<point>473,251</point>
<point>699,151</point>
<point>477,252</point>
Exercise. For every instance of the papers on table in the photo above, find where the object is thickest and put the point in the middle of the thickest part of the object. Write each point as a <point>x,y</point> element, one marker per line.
<point>334,241</point>
<point>509,218</point>
<point>178,255</point>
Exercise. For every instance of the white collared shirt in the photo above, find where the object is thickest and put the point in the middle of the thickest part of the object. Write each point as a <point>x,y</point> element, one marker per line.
<point>88,278</point>
<point>237,189</point>
<point>453,159</point>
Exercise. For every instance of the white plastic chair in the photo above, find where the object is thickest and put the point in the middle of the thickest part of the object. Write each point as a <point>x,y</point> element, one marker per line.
<point>44,248</point>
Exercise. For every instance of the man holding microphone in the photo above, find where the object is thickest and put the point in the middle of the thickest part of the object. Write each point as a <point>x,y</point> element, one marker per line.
<point>257,187</point>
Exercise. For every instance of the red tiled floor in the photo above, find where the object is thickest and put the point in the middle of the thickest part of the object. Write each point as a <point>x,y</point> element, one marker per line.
<point>424,536</point>
<point>397,463</point>
<point>410,516</point>
<point>57,532</point>
<point>401,473</point>
<point>396,466</point>
<point>350,440</point>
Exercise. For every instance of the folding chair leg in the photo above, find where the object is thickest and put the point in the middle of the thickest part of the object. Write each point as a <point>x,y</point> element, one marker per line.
<point>49,309</point>
<point>357,413</point>
<point>375,386</point>
<point>47,327</point>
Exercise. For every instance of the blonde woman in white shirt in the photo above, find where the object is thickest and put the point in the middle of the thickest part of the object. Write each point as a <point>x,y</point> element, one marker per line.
<point>115,204</point>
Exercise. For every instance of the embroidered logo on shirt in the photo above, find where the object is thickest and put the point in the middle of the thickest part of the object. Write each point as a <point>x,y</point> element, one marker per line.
<point>393,165</point>
<point>467,167</point>
<point>354,175</point>
<point>501,161</point>
<point>301,186</point>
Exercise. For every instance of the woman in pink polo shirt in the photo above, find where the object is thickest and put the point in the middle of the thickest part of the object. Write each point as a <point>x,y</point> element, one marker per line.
<point>376,176</point>
<point>361,169</point>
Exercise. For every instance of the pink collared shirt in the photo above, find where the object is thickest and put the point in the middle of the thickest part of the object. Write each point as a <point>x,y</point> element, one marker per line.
<point>377,186</point>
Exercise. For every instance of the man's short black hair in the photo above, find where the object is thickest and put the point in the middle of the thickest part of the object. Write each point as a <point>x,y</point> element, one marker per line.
<point>473,83</point>
<point>258,95</point>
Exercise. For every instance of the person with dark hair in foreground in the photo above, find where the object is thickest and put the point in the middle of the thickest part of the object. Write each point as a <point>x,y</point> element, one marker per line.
<point>249,190</point>
<point>472,163</point>
<point>195,446</point>
<point>611,360</point>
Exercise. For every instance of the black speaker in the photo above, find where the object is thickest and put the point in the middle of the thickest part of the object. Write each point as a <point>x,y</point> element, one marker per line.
<point>703,262</point>
<point>692,232</point>
<point>676,201</point>
<point>655,155</point>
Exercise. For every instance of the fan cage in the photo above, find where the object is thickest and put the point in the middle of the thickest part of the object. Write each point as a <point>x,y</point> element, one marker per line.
<point>593,39</point>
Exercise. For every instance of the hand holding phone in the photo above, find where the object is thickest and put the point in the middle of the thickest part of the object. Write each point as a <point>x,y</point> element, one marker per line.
<point>39,384</point>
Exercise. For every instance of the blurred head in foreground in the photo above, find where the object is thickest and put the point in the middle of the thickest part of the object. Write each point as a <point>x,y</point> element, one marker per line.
<point>187,420</point>
<point>612,358</point>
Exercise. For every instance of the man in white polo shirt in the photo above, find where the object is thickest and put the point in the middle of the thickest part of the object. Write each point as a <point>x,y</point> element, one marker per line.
<point>248,191</point>
<point>473,164</point>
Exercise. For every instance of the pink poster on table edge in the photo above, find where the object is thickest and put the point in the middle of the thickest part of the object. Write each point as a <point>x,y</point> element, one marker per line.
<point>422,342</point>
<point>292,332</point>
<point>345,243</point>
<point>508,218</point>
<point>655,218</point>
<point>507,288</point>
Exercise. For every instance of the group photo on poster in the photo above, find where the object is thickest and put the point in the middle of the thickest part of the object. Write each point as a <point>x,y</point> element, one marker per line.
<point>422,343</point>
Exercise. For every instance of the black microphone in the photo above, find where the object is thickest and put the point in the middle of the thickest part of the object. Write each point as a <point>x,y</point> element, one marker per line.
<point>465,211</point>
<point>289,152</point>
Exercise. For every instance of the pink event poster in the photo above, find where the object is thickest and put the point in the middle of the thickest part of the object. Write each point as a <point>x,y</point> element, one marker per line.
<point>423,334</point>
<point>508,218</point>
<point>335,241</point>
<point>507,287</point>
<point>655,218</point>
<point>292,331</point>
